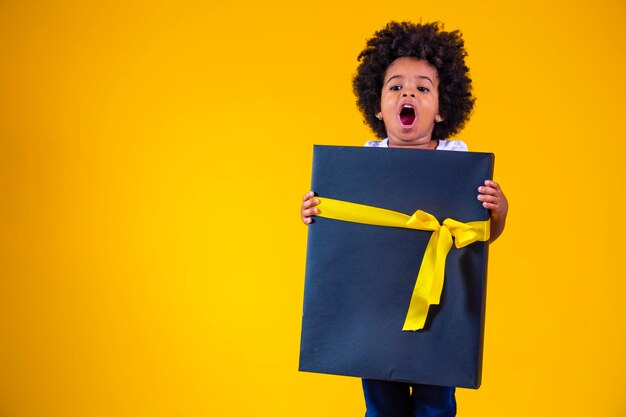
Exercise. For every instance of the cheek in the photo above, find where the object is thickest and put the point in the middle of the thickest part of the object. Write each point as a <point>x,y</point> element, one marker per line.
<point>436,103</point>
<point>386,109</point>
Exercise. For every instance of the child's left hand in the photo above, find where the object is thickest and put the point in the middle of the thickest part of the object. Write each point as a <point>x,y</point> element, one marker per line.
<point>493,198</point>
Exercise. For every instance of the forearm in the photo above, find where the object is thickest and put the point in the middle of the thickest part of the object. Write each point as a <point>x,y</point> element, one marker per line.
<point>493,198</point>
<point>497,227</point>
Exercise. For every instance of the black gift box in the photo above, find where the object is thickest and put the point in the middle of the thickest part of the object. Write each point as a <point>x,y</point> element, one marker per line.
<point>359,277</point>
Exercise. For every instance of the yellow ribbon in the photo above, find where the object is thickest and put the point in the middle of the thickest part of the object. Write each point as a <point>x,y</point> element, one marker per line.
<point>429,284</point>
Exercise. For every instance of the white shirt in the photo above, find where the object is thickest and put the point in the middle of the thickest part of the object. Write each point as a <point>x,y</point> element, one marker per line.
<point>443,145</point>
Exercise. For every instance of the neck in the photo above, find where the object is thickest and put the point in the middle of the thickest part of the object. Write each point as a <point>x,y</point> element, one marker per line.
<point>431,144</point>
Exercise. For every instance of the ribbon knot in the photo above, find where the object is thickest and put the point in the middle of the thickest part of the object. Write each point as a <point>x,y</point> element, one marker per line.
<point>464,233</point>
<point>430,278</point>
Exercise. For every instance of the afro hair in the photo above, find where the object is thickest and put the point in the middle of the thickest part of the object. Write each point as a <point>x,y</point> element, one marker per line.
<point>443,50</point>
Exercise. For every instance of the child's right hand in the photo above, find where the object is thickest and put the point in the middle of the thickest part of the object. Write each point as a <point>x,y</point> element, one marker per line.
<point>308,207</point>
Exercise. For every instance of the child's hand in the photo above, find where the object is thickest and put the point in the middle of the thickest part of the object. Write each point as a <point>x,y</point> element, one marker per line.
<point>308,207</point>
<point>493,198</point>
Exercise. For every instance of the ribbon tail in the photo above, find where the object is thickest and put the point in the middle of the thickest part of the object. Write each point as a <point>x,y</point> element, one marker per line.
<point>418,307</point>
<point>429,284</point>
<point>444,244</point>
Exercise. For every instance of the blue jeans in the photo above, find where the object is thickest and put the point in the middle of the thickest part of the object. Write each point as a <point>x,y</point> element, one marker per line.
<point>399,399</point>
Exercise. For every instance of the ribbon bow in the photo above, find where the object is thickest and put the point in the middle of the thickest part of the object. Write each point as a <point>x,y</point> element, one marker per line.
<point>429,284</point>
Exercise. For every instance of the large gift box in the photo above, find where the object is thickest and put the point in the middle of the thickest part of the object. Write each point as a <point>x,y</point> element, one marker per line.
<point>389,216</point>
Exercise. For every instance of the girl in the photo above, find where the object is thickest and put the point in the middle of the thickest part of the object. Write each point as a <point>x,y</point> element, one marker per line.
<point>414,90</point>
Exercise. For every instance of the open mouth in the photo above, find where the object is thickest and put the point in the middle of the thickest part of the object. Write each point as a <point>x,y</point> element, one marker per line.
<point>407,115</point>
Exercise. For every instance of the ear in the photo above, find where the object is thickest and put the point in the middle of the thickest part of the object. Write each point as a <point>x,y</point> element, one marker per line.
<point>379,115</point>
<point>438,118</point>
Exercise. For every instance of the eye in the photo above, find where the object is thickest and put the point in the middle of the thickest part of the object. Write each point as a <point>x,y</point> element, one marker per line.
<point>423,89</point>
<point>395,88</point>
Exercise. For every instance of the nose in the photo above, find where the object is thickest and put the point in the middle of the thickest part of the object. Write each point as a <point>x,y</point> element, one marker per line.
<point>405,94</point>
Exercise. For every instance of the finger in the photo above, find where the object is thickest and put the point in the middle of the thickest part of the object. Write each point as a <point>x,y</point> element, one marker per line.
<point>487,190</point>
<point>492,184</point>
<point>308,196</point>
<point>310,203</point>
<point>485,198</point>
<point>305,215</point>
<point>310,212</point>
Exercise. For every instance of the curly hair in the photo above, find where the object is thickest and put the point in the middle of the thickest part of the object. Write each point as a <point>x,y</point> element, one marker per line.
<point>443,50</point>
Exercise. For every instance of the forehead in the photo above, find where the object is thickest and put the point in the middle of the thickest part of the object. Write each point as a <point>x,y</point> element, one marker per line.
<point>410,67</point>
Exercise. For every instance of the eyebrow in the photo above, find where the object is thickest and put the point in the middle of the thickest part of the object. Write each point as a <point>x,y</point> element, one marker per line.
<point>419,76</point>
<point>427,78</point>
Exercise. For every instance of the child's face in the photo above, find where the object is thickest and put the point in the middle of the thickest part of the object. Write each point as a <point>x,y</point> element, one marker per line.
<point>410,102</point>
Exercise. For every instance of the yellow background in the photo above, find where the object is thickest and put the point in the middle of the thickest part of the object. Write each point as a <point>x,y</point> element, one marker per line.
<point>153,156</point>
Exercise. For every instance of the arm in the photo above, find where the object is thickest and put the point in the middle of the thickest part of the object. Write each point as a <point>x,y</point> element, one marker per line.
<point>308,207</point>
<point>493,198</point>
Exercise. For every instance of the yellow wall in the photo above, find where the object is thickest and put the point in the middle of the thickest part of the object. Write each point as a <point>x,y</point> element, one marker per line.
<point>151,252</point>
